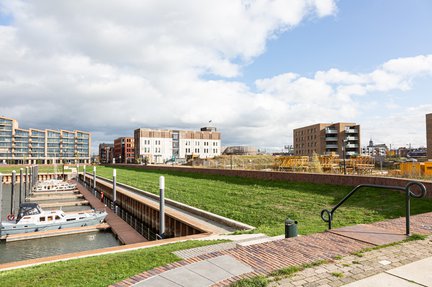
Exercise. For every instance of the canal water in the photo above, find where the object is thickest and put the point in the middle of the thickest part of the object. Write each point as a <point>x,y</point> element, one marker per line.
<point>38,248</point>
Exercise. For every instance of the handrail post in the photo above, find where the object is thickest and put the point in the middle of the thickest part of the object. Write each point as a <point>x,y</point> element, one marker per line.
<point>408,195</point>
<point>407,212</point>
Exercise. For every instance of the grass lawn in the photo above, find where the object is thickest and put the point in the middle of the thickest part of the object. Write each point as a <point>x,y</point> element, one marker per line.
<point>97,271</point>
<point>266,204</point>
<point>42,168</point>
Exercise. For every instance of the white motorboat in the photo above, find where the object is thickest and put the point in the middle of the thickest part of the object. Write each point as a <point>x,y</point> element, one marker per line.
<point>54,185</point>
<point>32,218</point>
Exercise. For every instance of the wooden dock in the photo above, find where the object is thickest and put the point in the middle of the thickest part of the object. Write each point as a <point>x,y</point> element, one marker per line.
<point>63,204</point>
<point>124,232</point>
<point>57,232</point>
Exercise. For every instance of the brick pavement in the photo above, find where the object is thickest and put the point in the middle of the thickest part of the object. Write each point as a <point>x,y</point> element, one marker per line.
<point>353,268</point>
<point>267,257</point>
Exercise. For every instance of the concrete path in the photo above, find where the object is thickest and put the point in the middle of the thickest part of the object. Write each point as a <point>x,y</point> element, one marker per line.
<point>200,274</point>
<point>414,274</point>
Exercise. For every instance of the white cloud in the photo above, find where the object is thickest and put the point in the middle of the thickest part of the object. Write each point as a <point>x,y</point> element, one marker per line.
<point>111,67</point>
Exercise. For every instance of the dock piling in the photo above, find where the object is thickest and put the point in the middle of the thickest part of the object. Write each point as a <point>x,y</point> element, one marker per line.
<point>94,181</point>
<point>84,176</point>
<point>162,207</point>
<point>114,203</point>
<point>26,182</point>
<point>12,207</point>
<point>21,188</point>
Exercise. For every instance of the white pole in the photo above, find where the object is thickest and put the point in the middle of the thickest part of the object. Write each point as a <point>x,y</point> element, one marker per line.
<point>94,180</point>
<point>162,206</point>
<point>114,191</point>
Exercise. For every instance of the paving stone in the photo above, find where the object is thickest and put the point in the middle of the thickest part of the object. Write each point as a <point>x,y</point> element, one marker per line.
<point>382,280</point>
<point>186,278</point>
<point>231,265</point>
<point>156,281</point>
<point>209,271</point>
<point>419,271</point>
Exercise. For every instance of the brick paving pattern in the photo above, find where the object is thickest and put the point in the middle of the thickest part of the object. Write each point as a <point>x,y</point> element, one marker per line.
<point>353,268</point>
<point>270,256</point>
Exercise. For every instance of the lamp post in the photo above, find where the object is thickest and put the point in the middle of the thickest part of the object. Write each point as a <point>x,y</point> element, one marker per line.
<point>344,154</point>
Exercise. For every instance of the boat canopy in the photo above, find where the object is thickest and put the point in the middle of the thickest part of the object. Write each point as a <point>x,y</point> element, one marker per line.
<point>28,208</point>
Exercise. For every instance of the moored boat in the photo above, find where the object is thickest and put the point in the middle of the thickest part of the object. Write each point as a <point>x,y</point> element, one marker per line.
<point>32,218</point>
<point>54,185</point>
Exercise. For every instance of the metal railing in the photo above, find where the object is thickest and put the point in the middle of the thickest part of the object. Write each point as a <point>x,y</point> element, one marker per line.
<point>408,194</point>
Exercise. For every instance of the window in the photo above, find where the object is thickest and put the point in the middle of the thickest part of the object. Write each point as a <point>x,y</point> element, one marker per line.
<point>70,219</point>
<point>42,219</point>
<point>50,218</point>
<point>57,217</point>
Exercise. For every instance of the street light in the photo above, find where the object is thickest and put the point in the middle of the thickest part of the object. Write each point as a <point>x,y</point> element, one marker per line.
<point>344,154</point>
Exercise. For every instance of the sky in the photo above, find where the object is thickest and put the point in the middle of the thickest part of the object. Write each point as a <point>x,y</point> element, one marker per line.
<point>256,69</point>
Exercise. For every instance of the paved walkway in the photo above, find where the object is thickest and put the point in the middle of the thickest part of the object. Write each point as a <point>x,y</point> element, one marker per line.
<point>390,266</point>
<point>270,256</point>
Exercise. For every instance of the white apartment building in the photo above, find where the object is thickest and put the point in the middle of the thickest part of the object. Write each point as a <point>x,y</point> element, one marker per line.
<point>161,146</point>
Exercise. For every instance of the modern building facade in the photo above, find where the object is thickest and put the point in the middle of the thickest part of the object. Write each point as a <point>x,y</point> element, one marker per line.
<point>124,150</point>
<point>375,150</point>
<point>106,152</point>
<point>160,146</point>
<point>429,135</point>
<point>33,146</point>
<point>339,138</point>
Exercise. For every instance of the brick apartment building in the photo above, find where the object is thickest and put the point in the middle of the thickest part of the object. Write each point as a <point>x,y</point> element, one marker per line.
<point>324,138</point>
<point>35,146</point>
<point>124,150</point>
<point>429,135</point>
<point>106,152</point>
<point>160,146</point>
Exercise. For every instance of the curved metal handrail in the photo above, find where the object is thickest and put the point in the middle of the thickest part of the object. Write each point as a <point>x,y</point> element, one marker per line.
<point>408,192</point>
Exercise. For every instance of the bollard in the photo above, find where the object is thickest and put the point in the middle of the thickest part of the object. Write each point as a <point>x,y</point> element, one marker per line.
<point>12,207</point>
<point>114,203</point>
<point>161,207</point>
<point>31,177</point>
<point>84,176</point>
<point>21,186</point>
<point>26,182</point>
<point>1,194</point>
<point>94,181</point>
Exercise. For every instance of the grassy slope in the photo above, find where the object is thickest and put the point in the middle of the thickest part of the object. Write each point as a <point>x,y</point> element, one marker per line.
<point>96,271</point>
<point>266,204</point>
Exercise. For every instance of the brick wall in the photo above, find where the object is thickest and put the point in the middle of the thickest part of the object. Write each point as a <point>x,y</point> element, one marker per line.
<point>347,180</point>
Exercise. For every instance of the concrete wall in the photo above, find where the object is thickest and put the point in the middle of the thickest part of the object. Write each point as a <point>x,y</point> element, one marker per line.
<point>347,180</point>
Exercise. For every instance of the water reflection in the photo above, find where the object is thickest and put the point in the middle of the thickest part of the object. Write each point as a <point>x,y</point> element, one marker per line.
<point>37,248</point>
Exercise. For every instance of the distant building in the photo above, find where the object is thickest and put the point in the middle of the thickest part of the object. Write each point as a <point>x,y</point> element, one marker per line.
<point>429,135</point>
<point>124,150</point>
<point>240,150</point>
<point>32,146</point>
<point>160,146</point>
<point>327,138</point>
<point>375,150</point>
<point>106,152</point>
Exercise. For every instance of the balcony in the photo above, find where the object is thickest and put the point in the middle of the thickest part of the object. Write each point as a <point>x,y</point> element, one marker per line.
<point>352,138</point>
<point>351,131</point>
<point>331,131</point>
<point>352,146</point>
<point>332,146</point>
<point>331,139</point>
